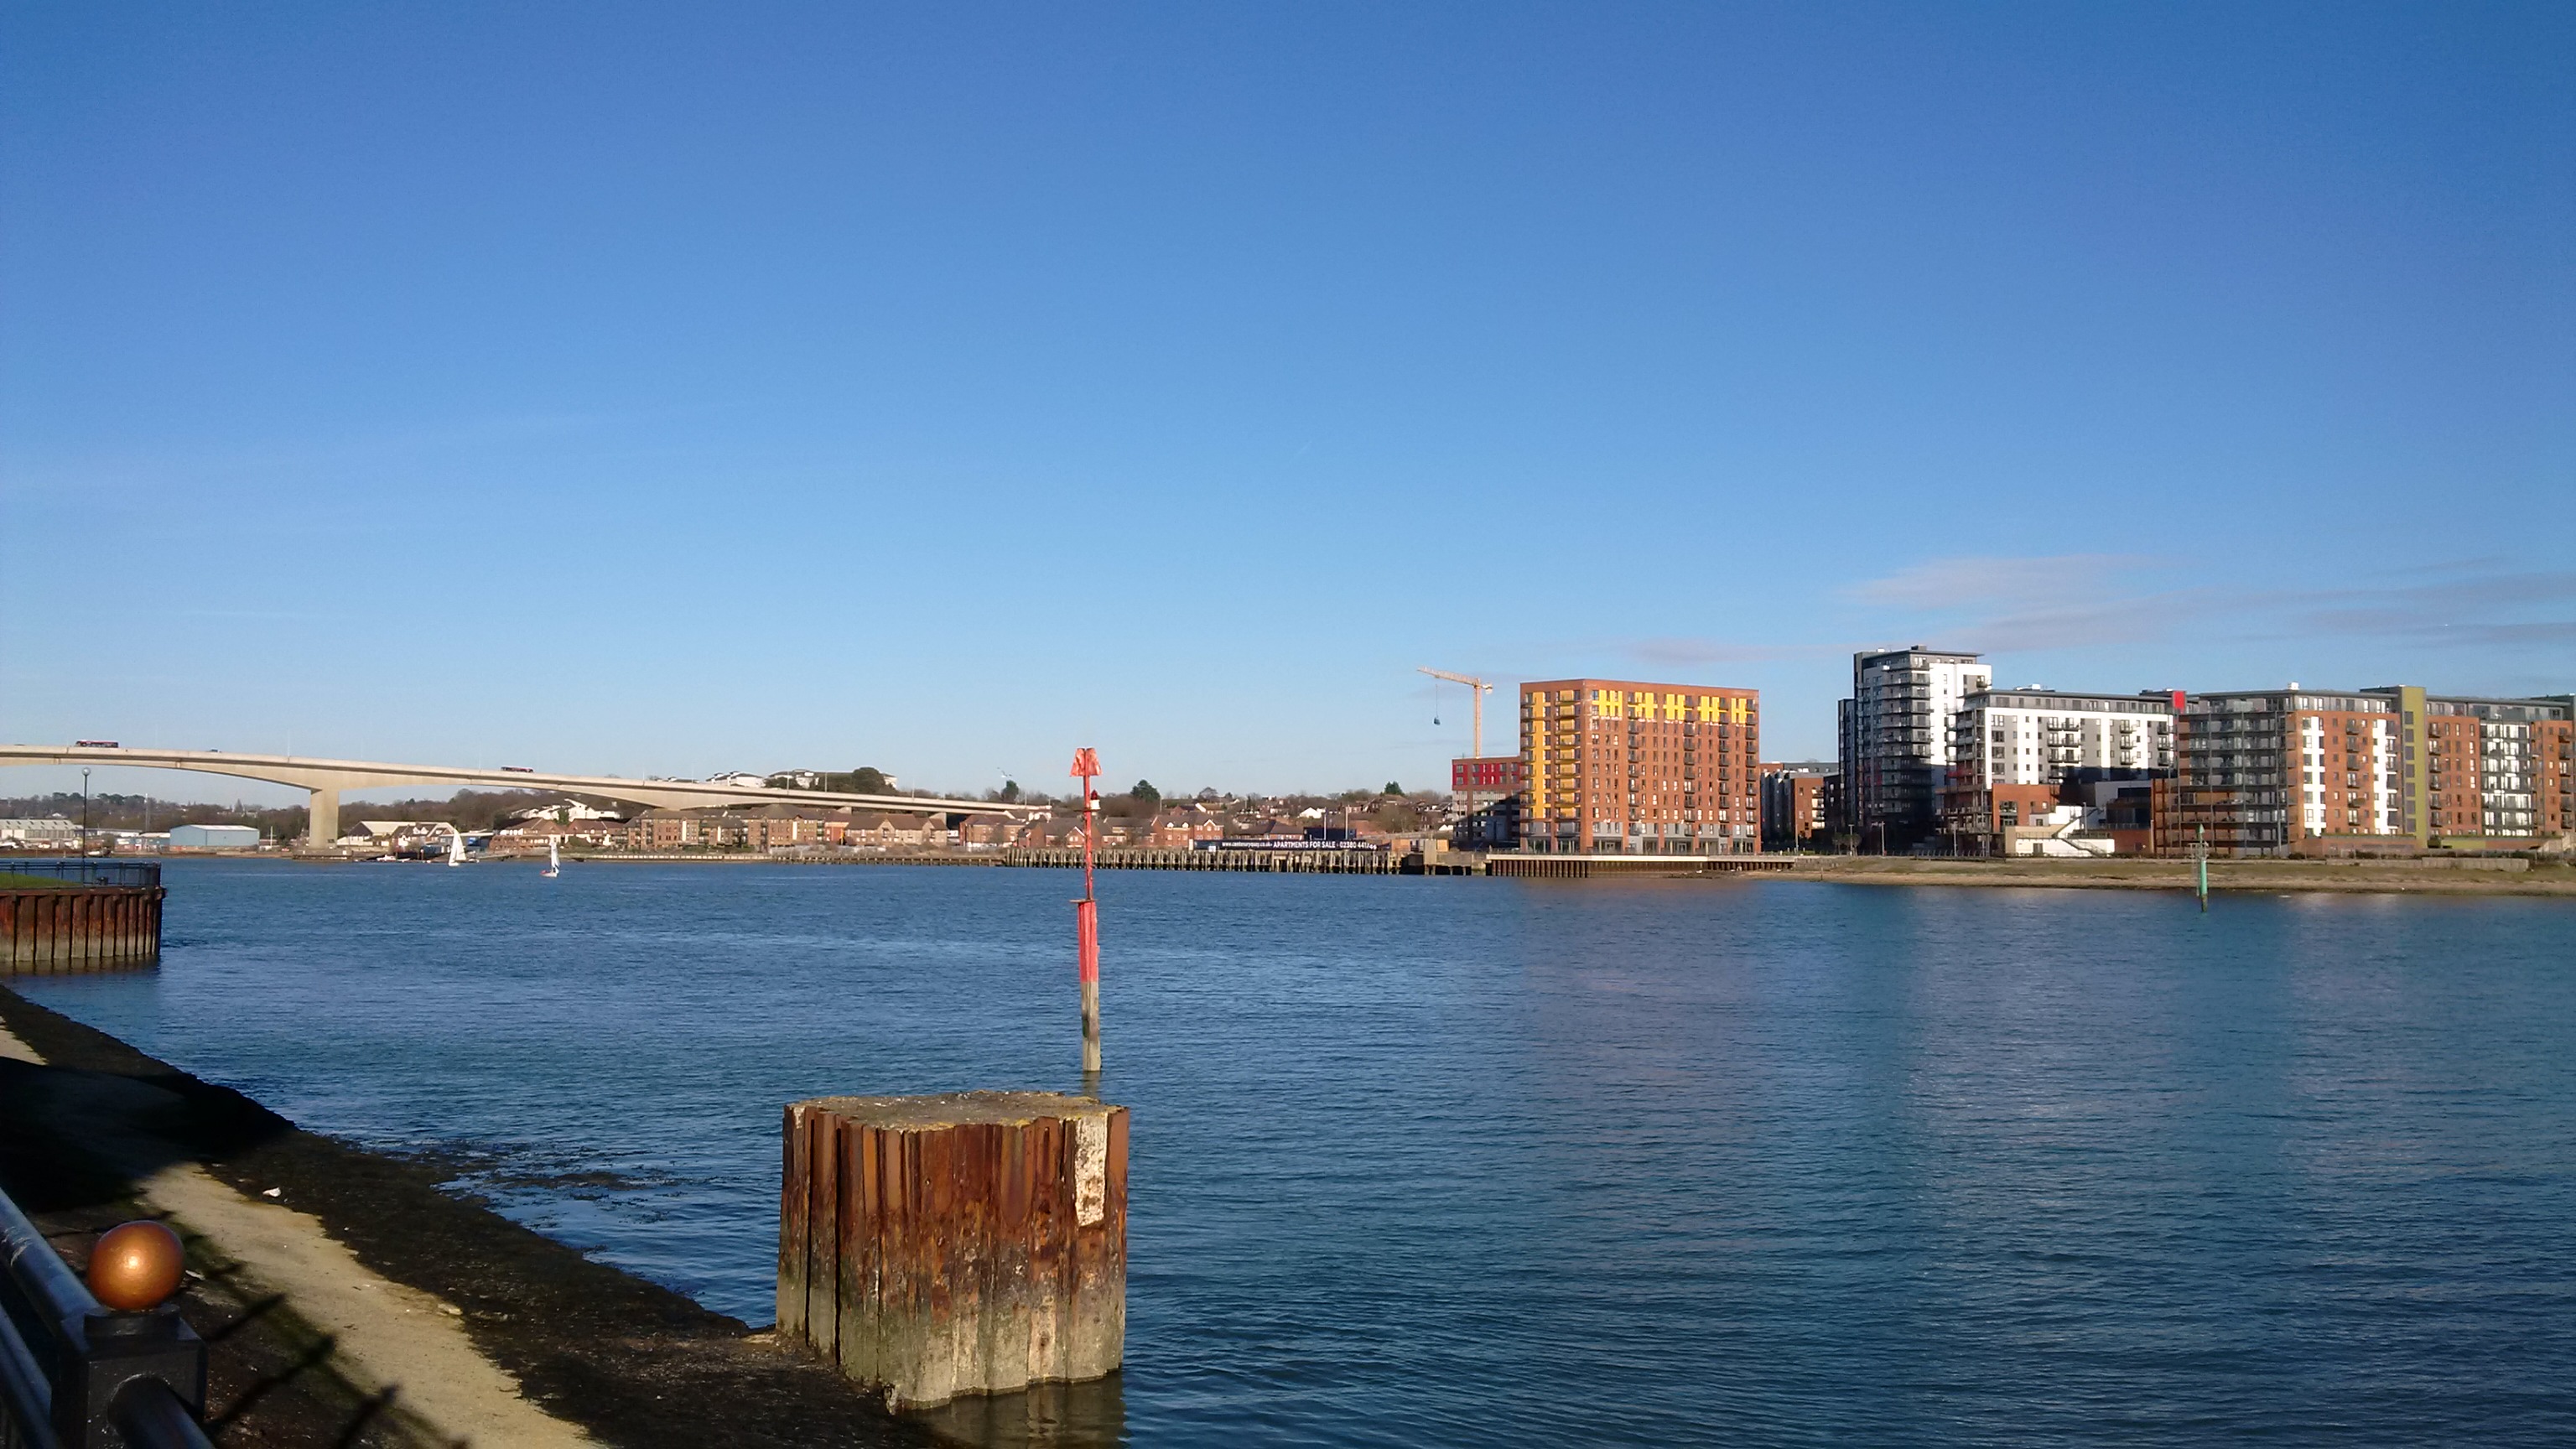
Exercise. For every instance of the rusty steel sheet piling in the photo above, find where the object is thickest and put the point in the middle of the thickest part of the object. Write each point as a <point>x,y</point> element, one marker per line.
<point>56,930</point>
<point>964,1243</point>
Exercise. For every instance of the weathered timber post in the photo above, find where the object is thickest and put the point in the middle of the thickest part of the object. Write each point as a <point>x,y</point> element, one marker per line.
<point>965,1243</point>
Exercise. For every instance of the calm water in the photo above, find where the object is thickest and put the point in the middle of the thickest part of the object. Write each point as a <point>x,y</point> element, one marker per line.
<point>1463,1162</point>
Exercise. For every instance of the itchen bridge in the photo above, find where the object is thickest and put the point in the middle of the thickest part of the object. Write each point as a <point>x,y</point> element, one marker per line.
<point>327,778</point>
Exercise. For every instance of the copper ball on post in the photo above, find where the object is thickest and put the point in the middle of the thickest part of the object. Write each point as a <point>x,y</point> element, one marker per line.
<point>135,1266</point>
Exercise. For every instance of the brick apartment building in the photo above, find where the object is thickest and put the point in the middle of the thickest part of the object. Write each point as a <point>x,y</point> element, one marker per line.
<point>1794,800</point>
<point>1184,829</point>
<point>2498,771</point>
<point>1624,767</point>
<point>2297,772</point>
<point>872,831</point>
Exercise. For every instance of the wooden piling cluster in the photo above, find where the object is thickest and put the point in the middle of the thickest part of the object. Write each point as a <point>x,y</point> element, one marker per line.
<point>56,930</point>
<point>1328,862</point>
<point>965,1243</point>
<point>1577,867</point>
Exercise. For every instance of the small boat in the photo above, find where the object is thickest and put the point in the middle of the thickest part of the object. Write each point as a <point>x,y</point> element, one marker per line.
<point>554,856</point>
<point>456,847</point>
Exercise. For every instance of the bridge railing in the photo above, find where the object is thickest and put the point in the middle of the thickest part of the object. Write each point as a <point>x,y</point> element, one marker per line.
<point>144,873</point>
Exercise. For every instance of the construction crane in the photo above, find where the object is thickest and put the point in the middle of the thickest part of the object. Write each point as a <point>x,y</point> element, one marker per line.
<point>1477,689</point>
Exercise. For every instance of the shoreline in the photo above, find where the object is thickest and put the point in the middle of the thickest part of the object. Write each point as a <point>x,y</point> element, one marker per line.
<point>2529,876</point>
<point>2466,876</point>
<point>94,1130</point>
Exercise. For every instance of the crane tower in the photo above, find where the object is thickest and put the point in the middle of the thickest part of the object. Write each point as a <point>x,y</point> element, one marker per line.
<point>1477,689</point>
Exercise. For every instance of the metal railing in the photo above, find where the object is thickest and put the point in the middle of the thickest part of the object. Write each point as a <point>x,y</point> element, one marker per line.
<point>144,873</point>
<point>76,1375</point>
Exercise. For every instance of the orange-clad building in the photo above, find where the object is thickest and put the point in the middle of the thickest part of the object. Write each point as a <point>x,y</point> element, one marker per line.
<point>1620,766</point>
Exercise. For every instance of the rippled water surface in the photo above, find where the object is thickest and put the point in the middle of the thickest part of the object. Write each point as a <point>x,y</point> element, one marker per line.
<point>1469,1161</point>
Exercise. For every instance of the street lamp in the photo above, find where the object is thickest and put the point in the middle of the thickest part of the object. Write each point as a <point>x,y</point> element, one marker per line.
<point>84,841</point>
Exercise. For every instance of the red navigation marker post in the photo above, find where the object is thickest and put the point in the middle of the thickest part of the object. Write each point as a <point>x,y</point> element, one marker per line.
<point>1086,913</point>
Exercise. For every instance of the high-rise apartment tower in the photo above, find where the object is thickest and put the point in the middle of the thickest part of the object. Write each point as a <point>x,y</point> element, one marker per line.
<point>1622,767</point>
<point>1895,741</point>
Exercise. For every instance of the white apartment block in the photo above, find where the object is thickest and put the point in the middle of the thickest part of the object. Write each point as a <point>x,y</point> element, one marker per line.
<point>2039,736</point>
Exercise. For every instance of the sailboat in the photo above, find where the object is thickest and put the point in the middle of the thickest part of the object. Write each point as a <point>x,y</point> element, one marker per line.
<point>455,847</point>
<point>554,856</point>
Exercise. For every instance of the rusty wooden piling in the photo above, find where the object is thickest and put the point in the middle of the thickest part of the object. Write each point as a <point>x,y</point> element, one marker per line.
<point>1579,867</point>
<point>965,1243</point>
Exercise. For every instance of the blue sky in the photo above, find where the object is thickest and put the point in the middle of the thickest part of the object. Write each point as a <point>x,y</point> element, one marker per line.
<point>662,391</point>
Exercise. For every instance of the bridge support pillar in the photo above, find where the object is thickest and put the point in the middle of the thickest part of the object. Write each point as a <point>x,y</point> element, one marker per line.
<point>322,820</point>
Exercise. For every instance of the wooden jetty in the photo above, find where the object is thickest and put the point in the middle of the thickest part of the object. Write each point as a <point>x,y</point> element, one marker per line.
<point>965,1243</point>
<point>59,917</point>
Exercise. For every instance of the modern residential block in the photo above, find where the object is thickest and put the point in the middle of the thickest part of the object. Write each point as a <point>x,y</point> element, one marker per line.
<point>1793,806</point>
<point>1486,792</point>
<point>2493,771</point>
<point>1625,767</point>
<point>1894,747</point>
<point>2021,756</point>
<point>2292,771</point>
<point>2042,736</point>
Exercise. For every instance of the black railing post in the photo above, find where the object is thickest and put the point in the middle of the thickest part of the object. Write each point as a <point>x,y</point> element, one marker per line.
<point>78,1375</point>
<point>118,1356</point>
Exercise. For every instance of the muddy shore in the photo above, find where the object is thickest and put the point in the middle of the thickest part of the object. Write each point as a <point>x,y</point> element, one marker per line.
<point>625,1361</point>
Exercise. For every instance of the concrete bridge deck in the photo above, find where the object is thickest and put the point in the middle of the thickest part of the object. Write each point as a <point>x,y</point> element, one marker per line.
<point>325,779</point>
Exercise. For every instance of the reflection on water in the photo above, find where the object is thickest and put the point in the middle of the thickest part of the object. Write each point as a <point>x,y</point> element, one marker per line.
<point>1456,1162</point>
<point>1050,1416</point>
